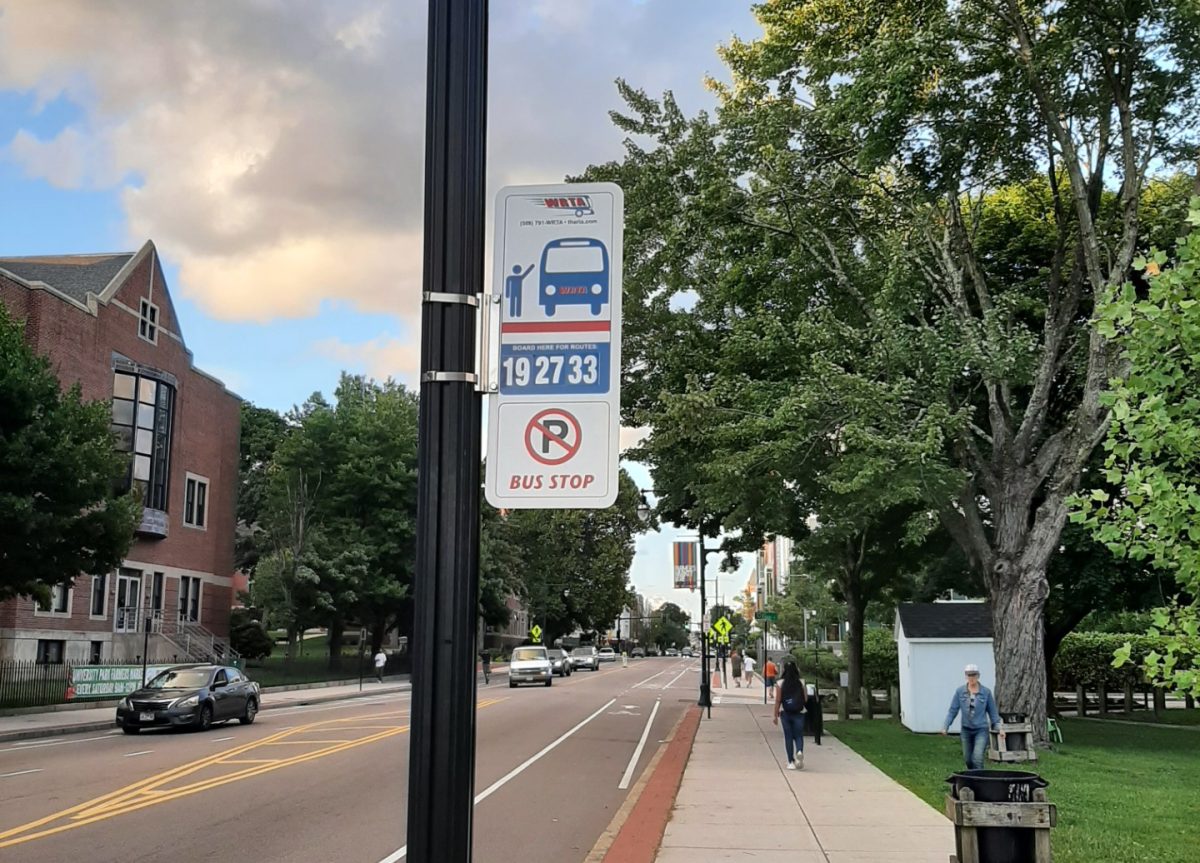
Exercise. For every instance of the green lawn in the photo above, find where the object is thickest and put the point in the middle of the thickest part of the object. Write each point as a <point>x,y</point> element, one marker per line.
<point>1124,794</point>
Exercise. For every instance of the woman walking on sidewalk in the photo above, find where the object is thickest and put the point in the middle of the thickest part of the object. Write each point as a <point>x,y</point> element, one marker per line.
<point>789,704</point>
<point>736,661</point>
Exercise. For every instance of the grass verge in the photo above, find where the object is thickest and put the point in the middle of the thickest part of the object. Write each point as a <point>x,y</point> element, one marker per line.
<point>1124,794</point>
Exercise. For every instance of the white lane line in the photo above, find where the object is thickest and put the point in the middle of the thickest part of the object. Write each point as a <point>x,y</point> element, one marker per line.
<point>220,739</point>
<point>637,753</point>
<point>401,853</point>
<point>651,677</point>
<point>677,676</point>
<point>20,773</point>
<point>18,747</point>
<point>132,754</point>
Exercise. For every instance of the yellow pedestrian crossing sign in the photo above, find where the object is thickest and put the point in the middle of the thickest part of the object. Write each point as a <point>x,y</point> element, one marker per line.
<point>722,626</point>
<point>536,633</point>
<point>712,634</point>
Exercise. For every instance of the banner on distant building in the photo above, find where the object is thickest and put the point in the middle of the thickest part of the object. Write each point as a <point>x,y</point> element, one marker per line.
<point>684,558</point>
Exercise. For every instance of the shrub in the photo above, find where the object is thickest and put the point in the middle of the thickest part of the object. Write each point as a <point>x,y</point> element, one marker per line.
<point>249,639</point>
<point>1087,658</point>
<point>821,666</point>
<point>881,662</point>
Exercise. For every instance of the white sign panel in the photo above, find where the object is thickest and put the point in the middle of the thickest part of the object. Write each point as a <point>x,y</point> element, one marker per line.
<point>554,423</point>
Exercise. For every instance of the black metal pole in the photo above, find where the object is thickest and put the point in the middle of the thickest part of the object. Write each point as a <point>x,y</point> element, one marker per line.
<point>705,677</point>
<point>145,649</point>
<point>441,774</point>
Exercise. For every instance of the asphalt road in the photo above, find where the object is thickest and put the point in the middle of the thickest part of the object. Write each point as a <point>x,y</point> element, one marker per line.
<point>329,782</point>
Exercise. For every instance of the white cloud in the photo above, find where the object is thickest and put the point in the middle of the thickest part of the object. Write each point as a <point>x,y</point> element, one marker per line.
<point>275,150</point>
<point>381,358</point>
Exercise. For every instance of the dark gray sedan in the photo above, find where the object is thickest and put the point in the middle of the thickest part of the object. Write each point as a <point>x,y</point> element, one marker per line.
<point>192,696</point>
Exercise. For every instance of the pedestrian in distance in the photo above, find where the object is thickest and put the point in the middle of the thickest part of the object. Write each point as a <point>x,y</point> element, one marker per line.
<point>748,664</point>
<point>770,672</point>
<point>976,706</point>
<point>380,663</point>
<point>736,661</point>
<point>789,707</point>
<point>485,660</point>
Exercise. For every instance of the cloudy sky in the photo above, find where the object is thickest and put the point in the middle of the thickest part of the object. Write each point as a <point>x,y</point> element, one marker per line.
<point>273,150</point>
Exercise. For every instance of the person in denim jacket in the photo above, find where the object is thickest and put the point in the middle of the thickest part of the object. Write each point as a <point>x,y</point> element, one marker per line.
<point>976,705</point>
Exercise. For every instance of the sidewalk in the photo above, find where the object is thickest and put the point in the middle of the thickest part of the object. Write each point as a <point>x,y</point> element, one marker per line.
<point>737,802</point>
<point>55,722</point>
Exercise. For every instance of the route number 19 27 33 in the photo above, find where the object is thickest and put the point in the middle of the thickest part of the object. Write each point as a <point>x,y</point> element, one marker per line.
<point>553,370</point>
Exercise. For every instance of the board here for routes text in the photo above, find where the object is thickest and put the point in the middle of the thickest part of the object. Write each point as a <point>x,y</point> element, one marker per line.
<point>554,421</point>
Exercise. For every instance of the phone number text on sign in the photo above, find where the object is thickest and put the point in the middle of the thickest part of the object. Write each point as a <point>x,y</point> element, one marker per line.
<point>554,369</point>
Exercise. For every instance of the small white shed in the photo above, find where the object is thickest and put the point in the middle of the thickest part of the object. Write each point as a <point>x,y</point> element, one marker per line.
<point>934,641</point>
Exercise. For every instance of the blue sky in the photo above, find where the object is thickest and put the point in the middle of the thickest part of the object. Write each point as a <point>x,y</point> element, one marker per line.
<point>274,152</point>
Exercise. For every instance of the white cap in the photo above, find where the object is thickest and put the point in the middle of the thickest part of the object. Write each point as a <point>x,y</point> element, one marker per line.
<point>971,668</point>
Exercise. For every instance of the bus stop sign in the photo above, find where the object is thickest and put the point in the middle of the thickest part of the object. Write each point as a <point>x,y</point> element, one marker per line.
<point>554,414</point>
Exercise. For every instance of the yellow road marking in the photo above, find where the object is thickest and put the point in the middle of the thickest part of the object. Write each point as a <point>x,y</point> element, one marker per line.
<point>150,791</point>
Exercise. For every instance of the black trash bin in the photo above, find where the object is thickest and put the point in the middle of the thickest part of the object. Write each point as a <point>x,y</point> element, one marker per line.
<point>1012,718</point>
<point>1000,844</point>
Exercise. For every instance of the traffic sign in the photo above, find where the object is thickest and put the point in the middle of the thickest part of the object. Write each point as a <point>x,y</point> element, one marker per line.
<point>535,633</point>
<point>554,414</point>
<point>722,626</point>
<point>766,615</point>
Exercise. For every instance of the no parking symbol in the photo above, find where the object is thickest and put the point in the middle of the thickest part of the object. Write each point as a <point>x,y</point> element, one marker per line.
<point>553,437</point>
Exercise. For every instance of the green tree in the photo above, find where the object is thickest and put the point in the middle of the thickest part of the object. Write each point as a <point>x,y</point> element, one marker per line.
<point>262,430</point>
<point>1151,510</point>
<point>60,515</point>
<point>669,628</point>
<point>892,238</point>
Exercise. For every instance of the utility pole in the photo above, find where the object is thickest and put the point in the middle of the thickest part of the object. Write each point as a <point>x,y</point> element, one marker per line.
<point>441,776</point>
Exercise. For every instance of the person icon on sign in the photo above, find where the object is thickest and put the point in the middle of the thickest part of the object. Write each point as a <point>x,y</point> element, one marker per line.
<point>512,289</point>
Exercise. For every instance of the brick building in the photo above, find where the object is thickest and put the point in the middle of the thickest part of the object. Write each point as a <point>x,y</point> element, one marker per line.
<point>107,322</point>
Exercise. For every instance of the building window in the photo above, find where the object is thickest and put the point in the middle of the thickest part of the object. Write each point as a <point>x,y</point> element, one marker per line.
<point>148,321</point>
<point>143,410</point>
<point>189,599</point>
<point>49,651</point>
<point>96,652</point>
<point>60,601</point>
<point>195,502</point>
<point>99,595</point>
<point>156,595</point>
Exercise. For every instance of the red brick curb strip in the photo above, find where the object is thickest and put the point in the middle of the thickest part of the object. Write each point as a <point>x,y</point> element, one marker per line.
<point>642,832</point>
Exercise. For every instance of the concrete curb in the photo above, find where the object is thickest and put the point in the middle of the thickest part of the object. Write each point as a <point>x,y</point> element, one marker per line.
<point>638,838</point>
<point>106,725</point>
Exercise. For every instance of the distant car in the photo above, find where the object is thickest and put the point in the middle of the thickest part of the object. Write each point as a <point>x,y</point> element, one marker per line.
<point>586,657</point>
<point>671,651</point>
<point>193,696</point>
<point>687,651</point>
<point>607,654</point>
<point>652,651</point>
<point>530,664</point>
<point>560,661</point>
<point>638,653</point>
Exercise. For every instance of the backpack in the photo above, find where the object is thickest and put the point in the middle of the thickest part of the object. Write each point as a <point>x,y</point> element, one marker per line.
<point>792,701</point>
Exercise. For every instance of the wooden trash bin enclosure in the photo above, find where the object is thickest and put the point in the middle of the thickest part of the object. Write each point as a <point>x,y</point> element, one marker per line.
<point>1001,831</point>
<point>1018,741</point>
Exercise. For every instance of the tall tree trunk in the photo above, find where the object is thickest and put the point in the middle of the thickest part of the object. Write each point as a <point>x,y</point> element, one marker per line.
<point>855,617</point>
<point>1018,603</point>
<point>378,633</point>
<point>337,635</point>
<point>292,639</point>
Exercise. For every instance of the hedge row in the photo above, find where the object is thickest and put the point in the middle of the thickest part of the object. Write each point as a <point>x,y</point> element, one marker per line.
<point>1087,658</point>
<point>880,661</point>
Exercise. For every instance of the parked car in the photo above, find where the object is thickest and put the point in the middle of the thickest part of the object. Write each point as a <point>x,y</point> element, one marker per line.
<point>687,651</point>
<point>586,656</point>
<point>671,651</point>
<point>638,653</point>
<point>530,664</point>
<point>194,696</point>
<point>607,654</point>
<point>560,661</point>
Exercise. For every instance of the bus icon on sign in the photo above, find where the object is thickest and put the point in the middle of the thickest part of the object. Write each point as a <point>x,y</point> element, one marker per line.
<point>574,272</point>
